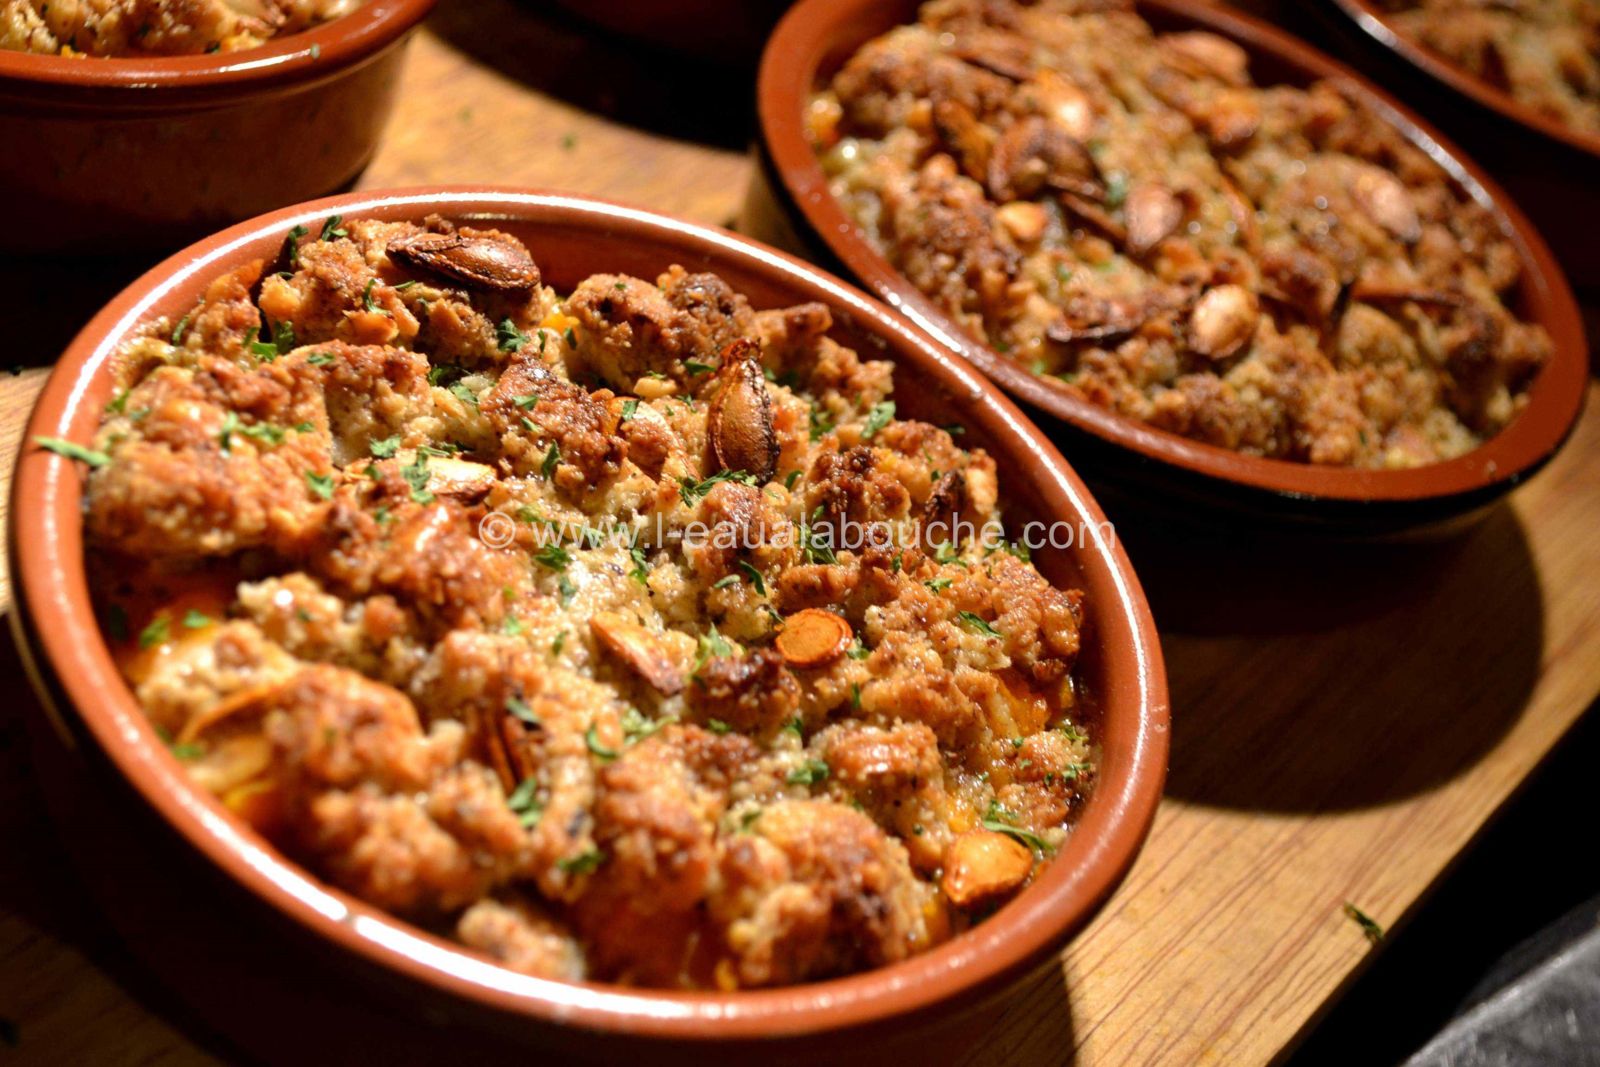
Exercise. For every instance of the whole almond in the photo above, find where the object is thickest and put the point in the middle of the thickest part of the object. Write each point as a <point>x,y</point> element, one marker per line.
<point>739,424</point>
<point>1153,213</point>
<point>476,261</point>
<point>982,865</point>
<point>645,652</point>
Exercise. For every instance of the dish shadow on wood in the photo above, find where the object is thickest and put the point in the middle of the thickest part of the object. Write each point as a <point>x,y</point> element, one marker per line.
<point>556,54</point>
<point>194,950</point>
<point>1334,677</point>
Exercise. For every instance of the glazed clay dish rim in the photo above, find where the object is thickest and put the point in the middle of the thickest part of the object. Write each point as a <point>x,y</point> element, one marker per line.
<point>808,37</point>
<point>60,636</point>
<point>295,57</point>
<point>1374,24</point>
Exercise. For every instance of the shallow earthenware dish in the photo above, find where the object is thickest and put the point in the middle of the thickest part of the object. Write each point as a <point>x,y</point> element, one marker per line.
<point>1131,464</point>
<point>88,707</point>
<point>1373,22</point>
<point>141,153</point>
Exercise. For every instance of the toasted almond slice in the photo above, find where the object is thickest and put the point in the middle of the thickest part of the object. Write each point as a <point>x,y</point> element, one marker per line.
<point>1223,321</point>
<point>242,700</point>
<point>981,866</point>
<point>645,652</point>
<point>739,423</point>
<point>460,479</point>
<point>1388,202</point>
<point>813,638</point>
<point>476,261</point>
<point>941,514</point>
<point>1024,219</point>
<point>1153,214</point>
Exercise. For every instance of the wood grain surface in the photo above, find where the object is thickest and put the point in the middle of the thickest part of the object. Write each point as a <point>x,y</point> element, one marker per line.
<point>1345,721</point>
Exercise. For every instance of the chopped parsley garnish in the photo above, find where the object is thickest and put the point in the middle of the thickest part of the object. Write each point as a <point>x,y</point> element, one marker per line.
<point>265,432</point>
<point>566,589</point>
<point>265,351</point>
<point>194,619</point>
<point>690,490</point>
<point>977,623</point>
<point>711,644</point>
<point>187,751</point>
<point>230,423</point>
<point>881,415</point>
<point>384,447</point>
<point>319,359</point>
<point>796,726</point>
<point>553,556</point>
<point>817,550</point>
<point>629,406</point>
<point>821,423</point>
<point>717,726</point>
<point>366,298</point>
<point>155,633</point>
<point>179,330</point>
<point>695,367</point>
<point>66,448</point>
<point>636,727</point>
<point>321,484</point>
<point>855,695</point>
<point>641,569</point>
<point>416,476</point>
<point>939,585</point>
<point>524,802</point>
<point>403,286</point>
<point>558,643</point>
<point>1001,821</point>
<point>583,863</point>
<point>463,392</point>
<point>754,575</point>
<point>292,243</point>
<point>552,459</point>
<point>724,582</point>
<point>509,337</point>
<point>811,772</point>
<point>1370,927</point>
<point>333,227</point>
<point>117,622</point>
<point>572,338</point>
<point>118,404</point>
<point>511,626</point>
<point>592,739</point>
<point>520,710</point>
<point>858,650</point>
<point>793,476</point>
<point>283,336</point>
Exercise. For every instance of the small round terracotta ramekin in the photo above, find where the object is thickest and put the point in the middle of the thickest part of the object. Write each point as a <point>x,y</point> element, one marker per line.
<point>1130,463</point>
<point>1373,22</point>
<point>957,984</point>
<point>138,153</point>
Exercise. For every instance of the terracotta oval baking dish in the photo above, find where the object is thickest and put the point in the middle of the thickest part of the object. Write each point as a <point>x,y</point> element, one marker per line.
<point>152,152</point>
<point>1150,468</point>
<point>1371,20</point>
<point>571,238</point>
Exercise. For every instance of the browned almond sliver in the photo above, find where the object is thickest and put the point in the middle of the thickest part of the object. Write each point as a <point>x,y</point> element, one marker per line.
<point>813,638</point>
<point>1223,321</point>
<point>460,479</point>
<point>739,424</point>
<point>982,865</point>
<point>1153,214</point>
<point>477,262</point>
<point>644,651</point>
<point>943,510</point>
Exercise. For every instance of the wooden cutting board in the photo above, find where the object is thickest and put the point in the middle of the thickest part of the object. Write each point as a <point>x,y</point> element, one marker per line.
<point>1345,722</point>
